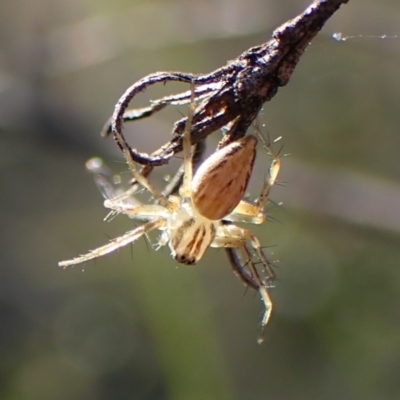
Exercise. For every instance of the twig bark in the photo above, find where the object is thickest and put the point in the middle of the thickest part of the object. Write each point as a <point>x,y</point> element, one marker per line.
<point>230,96</point>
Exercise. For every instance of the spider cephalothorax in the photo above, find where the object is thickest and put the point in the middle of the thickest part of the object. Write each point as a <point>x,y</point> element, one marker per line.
<point>205,211</point>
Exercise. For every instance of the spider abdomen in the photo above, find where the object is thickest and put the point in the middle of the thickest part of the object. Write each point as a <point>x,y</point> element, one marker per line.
<point>221,181</point>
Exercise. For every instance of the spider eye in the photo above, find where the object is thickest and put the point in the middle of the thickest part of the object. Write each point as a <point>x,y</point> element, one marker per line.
<point>183,259</point>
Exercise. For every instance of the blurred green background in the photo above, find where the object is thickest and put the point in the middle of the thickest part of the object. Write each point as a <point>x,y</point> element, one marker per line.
<point>134,324</point>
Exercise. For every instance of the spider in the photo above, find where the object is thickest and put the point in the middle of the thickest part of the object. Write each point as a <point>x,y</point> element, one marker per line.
<point>204,214</point>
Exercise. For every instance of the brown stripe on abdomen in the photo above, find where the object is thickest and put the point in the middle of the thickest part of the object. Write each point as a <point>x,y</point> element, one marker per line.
<point>221,181</point>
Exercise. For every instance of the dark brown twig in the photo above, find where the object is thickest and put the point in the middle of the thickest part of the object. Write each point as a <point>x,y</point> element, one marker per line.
<point>233,94</point>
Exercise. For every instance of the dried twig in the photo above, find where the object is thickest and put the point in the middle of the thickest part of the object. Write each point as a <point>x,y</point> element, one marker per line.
<point>233,94</point>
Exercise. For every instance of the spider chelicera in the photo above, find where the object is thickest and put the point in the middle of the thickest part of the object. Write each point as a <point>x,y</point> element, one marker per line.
<point>205,212</point>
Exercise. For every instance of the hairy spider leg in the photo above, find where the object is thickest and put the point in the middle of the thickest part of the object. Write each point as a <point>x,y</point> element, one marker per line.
<point>185,190</point>
<point>237,237</point>
<point>115,244</point>
<point>177,180</point>
<point>104,179</point>
<point>273,169</point>
<point>263,290</point>
<point>239,268</point>
<point>140,178</point>
<point>111,191</point>
<point>144,211</point>
<point>119,201</point>
<point>136,175</point>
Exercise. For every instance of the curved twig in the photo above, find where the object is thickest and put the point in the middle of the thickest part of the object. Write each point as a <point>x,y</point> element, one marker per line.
<point>241,87</point>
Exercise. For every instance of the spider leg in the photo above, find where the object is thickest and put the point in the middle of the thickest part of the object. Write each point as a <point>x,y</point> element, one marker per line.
<point>239,268</point>
<point>176,182</point>
<point>262,289</point>
<point>103,178</point>
<point>140,178</point>
<point>273,170</point>
<point>236,237</point>
<point>115,244</point>
<point>246,212</point>
<point>185,190</point>
<point>136,175</point>
<point>145,211</point>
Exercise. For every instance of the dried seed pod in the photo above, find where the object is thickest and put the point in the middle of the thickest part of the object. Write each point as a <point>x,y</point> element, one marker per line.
<point>221,181</point>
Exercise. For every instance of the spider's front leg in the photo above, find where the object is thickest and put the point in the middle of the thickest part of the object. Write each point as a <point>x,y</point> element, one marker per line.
<point>115,244</point>
<point>121,201</point>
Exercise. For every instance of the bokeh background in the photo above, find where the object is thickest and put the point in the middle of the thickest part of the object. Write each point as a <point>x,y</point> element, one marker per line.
<point>134,325</point>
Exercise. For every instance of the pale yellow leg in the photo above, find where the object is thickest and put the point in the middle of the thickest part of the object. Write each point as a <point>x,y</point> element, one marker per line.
<point>236,237</point>
<point>185,190</point>
<point>273,170</point>
<point>115,244</point>
<point>142,180</point>
<point>142,210</point>
<point>110,190</point>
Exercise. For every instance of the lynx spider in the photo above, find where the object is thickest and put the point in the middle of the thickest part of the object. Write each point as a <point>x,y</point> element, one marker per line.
<point>205,211</point>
